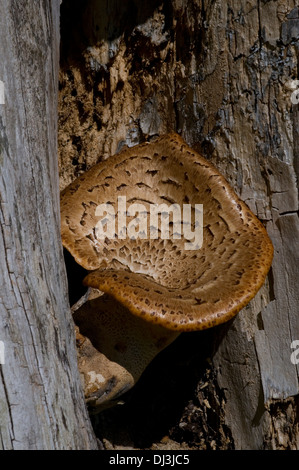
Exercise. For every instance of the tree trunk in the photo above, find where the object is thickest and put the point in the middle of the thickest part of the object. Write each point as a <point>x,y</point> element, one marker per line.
<point>42,404</point>
<point>220,74</point>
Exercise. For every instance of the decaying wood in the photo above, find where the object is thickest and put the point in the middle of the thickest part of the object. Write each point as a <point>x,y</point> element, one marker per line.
<point>41,401</point>
<point>220,74</point>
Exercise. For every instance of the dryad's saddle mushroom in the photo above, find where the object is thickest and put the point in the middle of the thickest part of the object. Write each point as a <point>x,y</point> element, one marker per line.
<point>166,281</point>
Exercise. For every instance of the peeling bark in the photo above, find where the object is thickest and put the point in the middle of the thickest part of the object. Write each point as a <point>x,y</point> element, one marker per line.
<point>220,74</point>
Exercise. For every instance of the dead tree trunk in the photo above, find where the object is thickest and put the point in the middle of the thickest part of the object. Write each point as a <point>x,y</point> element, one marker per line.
<point>220,73</point>
<point>42,405</point>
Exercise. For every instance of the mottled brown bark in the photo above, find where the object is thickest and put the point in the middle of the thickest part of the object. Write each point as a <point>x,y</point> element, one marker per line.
<point>220,74</point>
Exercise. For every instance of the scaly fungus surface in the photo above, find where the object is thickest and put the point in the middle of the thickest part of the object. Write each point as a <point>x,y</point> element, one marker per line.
<point>158,279</point>
<point>156,288</point>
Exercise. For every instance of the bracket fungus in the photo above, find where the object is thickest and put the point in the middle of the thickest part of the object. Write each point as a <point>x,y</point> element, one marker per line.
<point>155,287</point>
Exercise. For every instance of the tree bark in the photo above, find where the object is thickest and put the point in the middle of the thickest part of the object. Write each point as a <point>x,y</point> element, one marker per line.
<point>42,404</point>
<point>219,73</point>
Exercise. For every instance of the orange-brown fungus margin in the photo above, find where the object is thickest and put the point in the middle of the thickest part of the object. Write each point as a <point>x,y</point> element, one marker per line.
<point>158,280</point>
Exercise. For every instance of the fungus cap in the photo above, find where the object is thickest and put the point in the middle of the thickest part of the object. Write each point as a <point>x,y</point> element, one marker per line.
<point>159,279</point>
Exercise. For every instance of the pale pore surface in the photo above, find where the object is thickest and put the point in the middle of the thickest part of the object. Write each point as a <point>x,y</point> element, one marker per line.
<point>160,280</point>
<point>114,347</point>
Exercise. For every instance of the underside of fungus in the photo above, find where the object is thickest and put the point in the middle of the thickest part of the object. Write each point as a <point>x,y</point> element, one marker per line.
<point>159,280</point>
<point>114,347</point>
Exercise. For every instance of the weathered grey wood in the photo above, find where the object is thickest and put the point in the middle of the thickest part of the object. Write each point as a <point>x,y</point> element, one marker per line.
<point>219,73</point>
<point>41,401</point>
<point>262,143</point>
